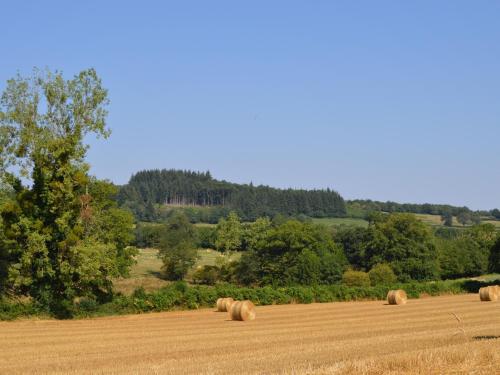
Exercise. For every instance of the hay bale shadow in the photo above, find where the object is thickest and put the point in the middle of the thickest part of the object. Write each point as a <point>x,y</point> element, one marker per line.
<point>486,337</point>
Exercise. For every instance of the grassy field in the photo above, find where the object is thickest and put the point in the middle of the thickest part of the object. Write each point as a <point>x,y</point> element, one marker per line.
<point>146,272</point>
<point>433,220</point>
<point>496,223</point>
<point>422,337</point>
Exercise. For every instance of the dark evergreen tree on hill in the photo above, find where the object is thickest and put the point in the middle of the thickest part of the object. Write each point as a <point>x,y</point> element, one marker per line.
<point>495,213</point>
<point>175,188</point>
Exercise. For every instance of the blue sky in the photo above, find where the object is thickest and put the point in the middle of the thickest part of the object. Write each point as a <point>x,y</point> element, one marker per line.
<point>383,100</point>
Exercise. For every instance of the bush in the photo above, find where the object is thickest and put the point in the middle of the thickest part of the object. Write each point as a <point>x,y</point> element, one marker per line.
<point>207,275</point>
<point>356,278</point>
<point>382,274</point>
<point>148,235</point>
<point>10,310</point>
<point>206,237</point>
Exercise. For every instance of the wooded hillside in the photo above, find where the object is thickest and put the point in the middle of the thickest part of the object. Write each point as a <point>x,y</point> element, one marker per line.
<point>187,188</point>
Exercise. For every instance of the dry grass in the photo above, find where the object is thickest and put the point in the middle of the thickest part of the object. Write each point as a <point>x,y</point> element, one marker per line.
<point>334,338</point>
<point>146,272</point>
<point>148,264</point>
<point>149,283</point>
<point>496,223</point>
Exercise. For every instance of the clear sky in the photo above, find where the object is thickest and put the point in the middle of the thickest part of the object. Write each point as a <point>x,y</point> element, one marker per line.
<point>386,100</point>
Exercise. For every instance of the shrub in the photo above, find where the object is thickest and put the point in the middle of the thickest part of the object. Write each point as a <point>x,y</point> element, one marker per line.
<point>10,310</point>
<point>207,275</point>
<point>382,274</point>
<point>356,278</point>
<point>206,237</point>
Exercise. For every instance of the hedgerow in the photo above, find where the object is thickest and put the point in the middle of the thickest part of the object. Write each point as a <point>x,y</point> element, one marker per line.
<point>180,296</point>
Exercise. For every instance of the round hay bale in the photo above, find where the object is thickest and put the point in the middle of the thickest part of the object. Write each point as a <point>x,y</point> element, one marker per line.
<point>229,302</point>
<point>242,310</point>
<point>489,293</point>
<point>397,297</point>
<point>223,304</point>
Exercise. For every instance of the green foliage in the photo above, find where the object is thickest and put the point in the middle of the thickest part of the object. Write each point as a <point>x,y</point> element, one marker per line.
<point>181,189</point>
<point>50,242</point>
<point>368,206</point>
<point>10,309</point>
<point>177,247</point>
<point>148,235</point>
<point>447,233</point>
<point>468,254</point>
<point>495,213</point>
<point>256,232</point>
<point>406,244</point>
<point>356,278</point>
<point>447,218</point>
<point>494,259</point>
<point>181,296</point>
<point>111,225</point>
<point>247,270</point>
<point>307,270</point>
<point>354,241</point>
<point>464,217</point>
<point>292,253</point>
<point>207,275</point>
<point>382,274</point>
<point>229,233</point>
<point>206,237</point>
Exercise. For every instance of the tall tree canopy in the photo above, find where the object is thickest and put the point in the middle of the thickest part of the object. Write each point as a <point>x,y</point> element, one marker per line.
<point>50,243</point>
<point>177,247</point>
<point>293,253</point>
<point>406,244</point>
<point>187,188</point>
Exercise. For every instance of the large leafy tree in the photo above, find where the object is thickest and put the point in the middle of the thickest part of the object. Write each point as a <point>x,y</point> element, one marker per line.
<point>110,224</point>
<point>354,241</point>
<point>406,244</point>
<point>294,253</point>
<point>469,253</point>
<point>178,247</point>
<point>52,251</point>
<point>229,233</point>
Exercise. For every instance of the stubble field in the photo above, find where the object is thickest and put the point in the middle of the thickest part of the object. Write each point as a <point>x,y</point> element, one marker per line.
<point>332,338</point>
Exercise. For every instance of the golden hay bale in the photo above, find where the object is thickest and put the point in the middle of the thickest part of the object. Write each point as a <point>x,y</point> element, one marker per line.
<point>489,293</point>
<point>229,303</point>
<point>223,304</point>
<point>397,297</point>
<point>242,310</point>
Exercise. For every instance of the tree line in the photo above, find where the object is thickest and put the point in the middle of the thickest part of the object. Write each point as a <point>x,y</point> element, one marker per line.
<point>149,190</point>
<point>363,207</point>
<point>394,247</point>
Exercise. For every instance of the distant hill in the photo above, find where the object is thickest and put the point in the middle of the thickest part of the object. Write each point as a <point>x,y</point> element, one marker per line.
<point>424,208</point>
<point>149,188</point>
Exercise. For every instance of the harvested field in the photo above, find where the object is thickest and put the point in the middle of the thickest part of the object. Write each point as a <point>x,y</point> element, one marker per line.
<point>422,336</point>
